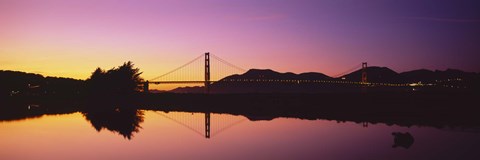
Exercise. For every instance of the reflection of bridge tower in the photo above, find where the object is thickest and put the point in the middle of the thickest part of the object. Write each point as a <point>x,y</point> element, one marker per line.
<point>365,124</point>
<point>207,124</point>
<point>201,123</point>
<point>207,72</point>
<point>364,72</point>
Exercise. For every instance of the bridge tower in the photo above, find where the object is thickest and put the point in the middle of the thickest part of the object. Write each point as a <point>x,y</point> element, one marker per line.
<point>364,72</point>
<point>145,87</point>
<point>207,72</point>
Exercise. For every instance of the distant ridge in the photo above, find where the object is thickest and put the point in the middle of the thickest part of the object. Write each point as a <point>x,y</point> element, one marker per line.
<point>386,75</point>
<point>270,74</point>
<point>22,83</point>
<point>375,75</point>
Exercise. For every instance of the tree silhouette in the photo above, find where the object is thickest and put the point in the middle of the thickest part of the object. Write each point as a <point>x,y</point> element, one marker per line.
<point>121,81</point>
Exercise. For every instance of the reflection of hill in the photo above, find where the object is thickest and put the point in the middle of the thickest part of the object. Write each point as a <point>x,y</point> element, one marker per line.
<point>405,109</point>
<point>20,109</point>
<point>123,121</point>
<point>440,110</point>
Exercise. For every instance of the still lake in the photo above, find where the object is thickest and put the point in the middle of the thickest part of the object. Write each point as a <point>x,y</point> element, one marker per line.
<point>182,135</point>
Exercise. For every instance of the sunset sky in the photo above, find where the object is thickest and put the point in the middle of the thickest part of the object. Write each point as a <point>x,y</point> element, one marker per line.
<point>71,38</point>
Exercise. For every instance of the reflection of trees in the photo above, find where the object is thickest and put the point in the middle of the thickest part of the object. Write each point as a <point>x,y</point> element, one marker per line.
<point>124,121</point>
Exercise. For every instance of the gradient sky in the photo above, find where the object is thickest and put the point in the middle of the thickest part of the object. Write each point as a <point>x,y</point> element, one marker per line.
<point>71,38</point>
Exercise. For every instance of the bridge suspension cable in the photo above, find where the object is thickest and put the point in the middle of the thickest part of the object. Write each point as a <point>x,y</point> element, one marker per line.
<point>352,69</point>
<point>222,68</point>
<point>228,63</point>
<point>178,68</point>
<point>193,71</point>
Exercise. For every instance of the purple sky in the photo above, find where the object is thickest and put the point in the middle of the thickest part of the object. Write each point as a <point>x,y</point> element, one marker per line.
<point>71,38</point>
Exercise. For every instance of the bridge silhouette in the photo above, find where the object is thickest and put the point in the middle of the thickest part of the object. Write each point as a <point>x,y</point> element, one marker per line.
<point>207,69</point>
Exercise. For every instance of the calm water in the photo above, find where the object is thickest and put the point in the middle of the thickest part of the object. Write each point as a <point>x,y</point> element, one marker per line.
<point>181,135</point>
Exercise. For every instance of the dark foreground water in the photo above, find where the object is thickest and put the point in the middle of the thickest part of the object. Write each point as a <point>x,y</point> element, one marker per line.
<point>183,135</point>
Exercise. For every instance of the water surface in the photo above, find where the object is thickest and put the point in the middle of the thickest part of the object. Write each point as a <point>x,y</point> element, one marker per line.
<point>182,135</point>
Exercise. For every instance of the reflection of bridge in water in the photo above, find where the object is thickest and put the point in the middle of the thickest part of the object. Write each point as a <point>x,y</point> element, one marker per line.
<point>201,123</point>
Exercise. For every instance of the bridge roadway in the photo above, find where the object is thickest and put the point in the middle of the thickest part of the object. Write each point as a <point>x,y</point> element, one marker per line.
<point>287,81</point>
<point>177,82</point>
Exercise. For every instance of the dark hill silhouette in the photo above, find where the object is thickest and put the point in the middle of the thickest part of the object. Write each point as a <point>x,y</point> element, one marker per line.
<point>14,83</point>
<point>375,74</point>
<point>314,76</point>
<point>455,73</point>
<point>270,74</point>
<point>428,76</point>
<point>226,85</point>
<point>422,75</point>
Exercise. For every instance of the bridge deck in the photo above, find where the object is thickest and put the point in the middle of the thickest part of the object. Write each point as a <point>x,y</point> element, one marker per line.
<point>177,82</point>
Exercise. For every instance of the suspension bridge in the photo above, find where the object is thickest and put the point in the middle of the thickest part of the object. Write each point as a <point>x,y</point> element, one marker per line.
<point>207,69</point>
